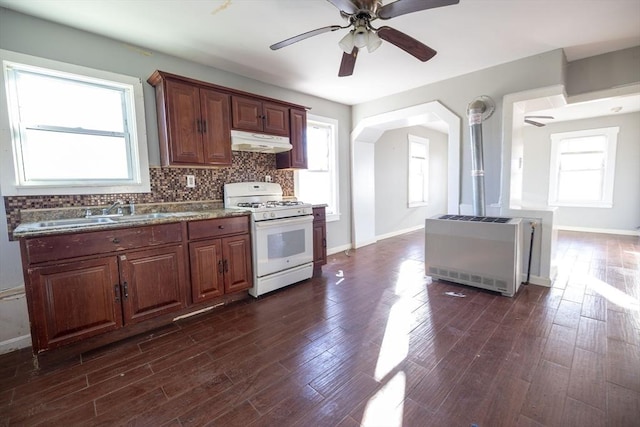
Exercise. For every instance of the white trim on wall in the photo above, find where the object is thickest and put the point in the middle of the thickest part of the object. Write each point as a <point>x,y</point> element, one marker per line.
<point>367,132</point>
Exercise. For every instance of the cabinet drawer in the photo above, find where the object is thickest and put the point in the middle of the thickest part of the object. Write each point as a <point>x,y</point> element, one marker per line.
<point>49,248</point>
<point>218,227</point>
<point>319,214</point>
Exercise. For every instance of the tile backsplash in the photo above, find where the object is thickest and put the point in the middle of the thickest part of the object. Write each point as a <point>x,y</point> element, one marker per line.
<point>167,185</point>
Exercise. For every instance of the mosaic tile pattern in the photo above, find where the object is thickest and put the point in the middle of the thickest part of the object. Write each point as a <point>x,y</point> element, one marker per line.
<point>167,185</point>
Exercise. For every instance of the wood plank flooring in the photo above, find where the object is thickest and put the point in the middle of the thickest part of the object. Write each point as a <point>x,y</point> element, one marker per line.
<point>371,342</point>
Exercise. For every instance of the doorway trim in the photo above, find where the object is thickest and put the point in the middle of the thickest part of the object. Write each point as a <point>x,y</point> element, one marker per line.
<point>363,138</point>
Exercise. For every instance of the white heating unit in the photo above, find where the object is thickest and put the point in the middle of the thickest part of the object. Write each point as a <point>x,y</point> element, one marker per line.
<point>479,251</point>
<point>281,234</point>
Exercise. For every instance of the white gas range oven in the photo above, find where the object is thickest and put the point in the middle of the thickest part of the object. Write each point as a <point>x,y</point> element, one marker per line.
<point>281,234</point>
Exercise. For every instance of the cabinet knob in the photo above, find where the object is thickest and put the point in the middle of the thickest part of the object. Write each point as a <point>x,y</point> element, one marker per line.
<point>221,227</point>
<point>116,240</point>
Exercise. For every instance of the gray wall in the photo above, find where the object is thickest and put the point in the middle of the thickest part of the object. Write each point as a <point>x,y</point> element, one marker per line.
<point>625,213</point>
<point>32,36</point>
<point>603,71</point>
<point>534,72</point>
<point>391,179</point>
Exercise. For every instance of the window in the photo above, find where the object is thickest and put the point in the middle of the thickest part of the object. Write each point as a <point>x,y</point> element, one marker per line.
<point>418,171</point>
<point>319,183</point>
<point>73,130</point>
<point>583,168</point>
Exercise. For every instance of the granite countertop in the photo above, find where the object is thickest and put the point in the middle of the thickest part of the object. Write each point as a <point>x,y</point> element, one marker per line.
<point>43,222</point>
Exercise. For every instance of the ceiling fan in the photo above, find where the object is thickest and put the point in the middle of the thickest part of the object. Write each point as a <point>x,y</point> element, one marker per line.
<point>527,119</point>
<point>359,15</point>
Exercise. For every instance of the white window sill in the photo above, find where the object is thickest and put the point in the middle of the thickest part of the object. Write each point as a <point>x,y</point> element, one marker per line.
<point>333,217</point>
<point>417,204</point>
<point>582,204</point>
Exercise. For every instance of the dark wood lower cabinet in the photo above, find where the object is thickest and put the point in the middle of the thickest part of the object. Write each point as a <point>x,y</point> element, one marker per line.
<point>237,263</point>
<point>88,289</point>
<point>73,301</point>
<point>319,240</point>
<point>221,265</point>
<point>152,283</point>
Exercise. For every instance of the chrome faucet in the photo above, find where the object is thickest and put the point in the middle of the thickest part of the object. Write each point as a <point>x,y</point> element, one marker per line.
<point>117,203</point>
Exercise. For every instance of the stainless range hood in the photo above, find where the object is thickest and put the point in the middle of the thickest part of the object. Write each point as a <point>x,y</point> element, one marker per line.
<point>259,142</point>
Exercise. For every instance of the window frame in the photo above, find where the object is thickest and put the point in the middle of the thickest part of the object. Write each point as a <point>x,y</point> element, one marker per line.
<point>608,176</point>
<point>413,139</point>
<point>11,176</point>
<point>333,166</point>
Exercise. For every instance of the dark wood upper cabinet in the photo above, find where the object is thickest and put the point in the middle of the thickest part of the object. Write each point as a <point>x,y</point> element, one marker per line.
<point>195,119</point>
<point>256,115</point>
<point>296,158</point>
<point>193,122</point>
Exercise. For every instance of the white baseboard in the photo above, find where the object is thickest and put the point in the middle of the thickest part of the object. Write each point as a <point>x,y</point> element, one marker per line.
<point>399,232</point>
<point>600,230</point>
<point>15,344</point>
<point>536,280</point>
<point>336,249</point>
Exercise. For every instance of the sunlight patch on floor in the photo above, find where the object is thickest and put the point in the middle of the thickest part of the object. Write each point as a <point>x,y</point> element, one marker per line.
<point>385,408</point>
<point>395,344</point>
<point>612,294</point>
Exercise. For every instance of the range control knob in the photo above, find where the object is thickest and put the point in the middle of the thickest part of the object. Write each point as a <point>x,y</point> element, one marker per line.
<point>273,214</point>
<point>265,215</point>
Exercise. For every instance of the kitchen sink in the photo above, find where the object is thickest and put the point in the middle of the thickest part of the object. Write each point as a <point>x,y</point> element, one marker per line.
<point>153,215</point>
<point>143,217</point>
<point>101,220</point>
<point>71,222</point>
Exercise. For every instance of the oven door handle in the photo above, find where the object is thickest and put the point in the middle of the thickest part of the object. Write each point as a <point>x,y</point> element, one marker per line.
<point>284,222</point>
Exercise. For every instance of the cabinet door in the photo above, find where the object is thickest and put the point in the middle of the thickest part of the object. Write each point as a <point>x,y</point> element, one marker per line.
<point>276,119</point>
<point>238,273</point>
<point>207,280</point>
<point>183,123</point>
<point>246,113</point>
<point>152,282</point>
<point>73,301</point>
<point>216,132</point>
<point>319,244</point>
<point>295,158</point>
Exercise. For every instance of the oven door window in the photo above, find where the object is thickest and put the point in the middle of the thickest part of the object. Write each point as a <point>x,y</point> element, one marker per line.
<point>283,245</point>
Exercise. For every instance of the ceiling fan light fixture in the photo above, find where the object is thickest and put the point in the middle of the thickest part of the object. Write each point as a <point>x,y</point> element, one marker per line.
<point>347,42</point>
<point>374,41</point>
<point>360,37</point>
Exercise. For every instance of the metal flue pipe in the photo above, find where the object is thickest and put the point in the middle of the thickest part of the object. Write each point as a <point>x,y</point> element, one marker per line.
<point>478,110</point>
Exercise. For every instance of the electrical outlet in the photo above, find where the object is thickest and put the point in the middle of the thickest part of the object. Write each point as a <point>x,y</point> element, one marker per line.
<point>267,178</point>
<point>191,181</point>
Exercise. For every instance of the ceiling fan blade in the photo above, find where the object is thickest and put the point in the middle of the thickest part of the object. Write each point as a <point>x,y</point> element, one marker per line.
<point>539,117</point>
<point>346,6</point>
<point>406,43</point>
<point>531,122</point>
<point>402,7</point>
<point>304,36</point>
<point>348,63</point>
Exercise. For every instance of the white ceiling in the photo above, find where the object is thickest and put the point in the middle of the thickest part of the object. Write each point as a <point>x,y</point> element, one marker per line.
<point>234,35</point>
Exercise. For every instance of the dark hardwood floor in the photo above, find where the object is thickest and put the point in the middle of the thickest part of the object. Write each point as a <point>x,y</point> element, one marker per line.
<point>371,342</point>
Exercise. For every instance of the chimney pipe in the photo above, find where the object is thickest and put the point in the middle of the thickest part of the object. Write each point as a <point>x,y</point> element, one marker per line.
<point>478,111</point>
